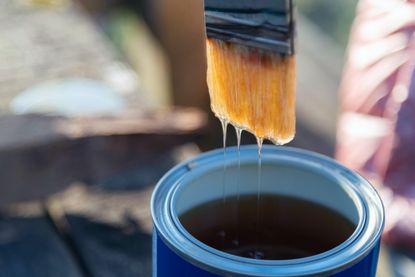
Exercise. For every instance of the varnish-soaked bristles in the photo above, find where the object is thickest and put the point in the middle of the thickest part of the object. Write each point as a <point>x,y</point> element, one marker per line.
<point>252,89</point>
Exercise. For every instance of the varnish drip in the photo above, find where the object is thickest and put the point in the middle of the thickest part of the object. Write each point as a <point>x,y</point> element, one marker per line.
<point>238,143</point>
<point>224,123</point>
<point>238,174</point>
<point>259,142</point>
<point>253,89</point>
<point>256,253</point>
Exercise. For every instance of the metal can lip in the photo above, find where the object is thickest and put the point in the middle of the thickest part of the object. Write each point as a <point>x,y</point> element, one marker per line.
<point>366,235</point>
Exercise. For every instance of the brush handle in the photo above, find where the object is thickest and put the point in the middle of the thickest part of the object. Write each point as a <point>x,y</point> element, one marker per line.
<point>265,24</point>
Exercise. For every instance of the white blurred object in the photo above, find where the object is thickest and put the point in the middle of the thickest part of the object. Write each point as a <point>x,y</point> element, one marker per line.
<point>122,78</point>
<point>69,97</point>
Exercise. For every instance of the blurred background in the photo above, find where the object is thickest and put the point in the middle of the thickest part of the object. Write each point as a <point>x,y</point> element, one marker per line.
<point>99,98</point>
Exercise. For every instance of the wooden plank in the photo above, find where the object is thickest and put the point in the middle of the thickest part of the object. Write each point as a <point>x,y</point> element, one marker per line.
<point>110,230</point>
<point>40,155</point>
<point>25,131</point>
<point>110,225</point>
<point>29,246</point>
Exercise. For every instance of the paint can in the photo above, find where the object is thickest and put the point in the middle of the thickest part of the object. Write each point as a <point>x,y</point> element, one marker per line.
<point>285,171</point>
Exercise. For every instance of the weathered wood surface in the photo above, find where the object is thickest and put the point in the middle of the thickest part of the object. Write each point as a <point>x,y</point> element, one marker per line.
<point>110,224</point>
<point>29,246</point>
<point>40,155</point>
<point>100,230</point>
<point>111,231</point>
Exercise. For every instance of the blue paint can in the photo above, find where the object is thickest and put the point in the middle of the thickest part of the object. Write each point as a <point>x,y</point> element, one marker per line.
<point>285,171</point>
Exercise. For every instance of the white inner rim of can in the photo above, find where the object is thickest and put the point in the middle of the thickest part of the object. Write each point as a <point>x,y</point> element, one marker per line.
<point>296,180</point>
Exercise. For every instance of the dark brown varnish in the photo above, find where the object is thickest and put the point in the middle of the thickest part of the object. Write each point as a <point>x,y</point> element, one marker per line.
<point>287,227</point>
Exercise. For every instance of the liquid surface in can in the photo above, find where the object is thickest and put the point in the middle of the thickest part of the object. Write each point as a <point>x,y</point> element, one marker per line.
<point>286,228</point>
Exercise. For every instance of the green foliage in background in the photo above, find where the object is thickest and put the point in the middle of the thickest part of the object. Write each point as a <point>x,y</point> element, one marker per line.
<point>332,16</point>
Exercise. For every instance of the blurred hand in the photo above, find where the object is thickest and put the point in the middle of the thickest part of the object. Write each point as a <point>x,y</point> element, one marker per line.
<point>377,125</point>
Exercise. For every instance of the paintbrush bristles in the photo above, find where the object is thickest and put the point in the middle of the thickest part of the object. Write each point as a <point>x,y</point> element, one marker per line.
<point>252,89</point>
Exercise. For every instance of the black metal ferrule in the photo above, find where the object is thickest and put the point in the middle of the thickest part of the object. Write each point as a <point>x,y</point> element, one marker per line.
<point>264,24</point>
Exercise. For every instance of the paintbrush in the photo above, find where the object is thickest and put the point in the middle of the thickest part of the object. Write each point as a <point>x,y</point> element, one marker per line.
<point>251,65</point>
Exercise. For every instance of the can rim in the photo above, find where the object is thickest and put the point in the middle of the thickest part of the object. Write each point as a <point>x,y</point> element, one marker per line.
<point>352,250</point>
